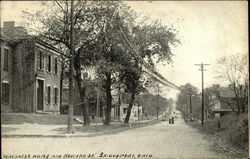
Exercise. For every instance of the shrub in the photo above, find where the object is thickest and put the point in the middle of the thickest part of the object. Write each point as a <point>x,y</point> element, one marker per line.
<point>235,129</point>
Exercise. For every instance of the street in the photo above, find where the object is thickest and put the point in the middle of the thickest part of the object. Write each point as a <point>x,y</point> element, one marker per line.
<point>160,140</point>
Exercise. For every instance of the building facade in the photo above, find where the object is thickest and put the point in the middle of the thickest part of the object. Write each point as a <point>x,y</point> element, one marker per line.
<point>30,77</point>
<point>221,101</point>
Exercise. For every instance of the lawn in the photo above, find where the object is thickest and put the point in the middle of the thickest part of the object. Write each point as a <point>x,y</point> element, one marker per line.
<point>43,119</point>
<point>231,136</point>
<point>110,129</point>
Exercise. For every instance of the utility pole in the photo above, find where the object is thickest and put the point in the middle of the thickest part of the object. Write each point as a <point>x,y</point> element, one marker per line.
<point>98,101</point>
<point>70,108</point>
<point>190,103</point>
<point>165,112</point>
<point>202,90</point>
<point>119,102</point>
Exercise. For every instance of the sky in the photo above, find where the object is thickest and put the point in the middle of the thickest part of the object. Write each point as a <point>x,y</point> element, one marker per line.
<point>208,30</point>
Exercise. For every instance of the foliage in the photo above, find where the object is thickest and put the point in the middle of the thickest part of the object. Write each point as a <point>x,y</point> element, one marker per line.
<point>183,100</point>
<point>105,37</point>
<point>234,129</point>
<point>154,103</point>
<point>234,69</point>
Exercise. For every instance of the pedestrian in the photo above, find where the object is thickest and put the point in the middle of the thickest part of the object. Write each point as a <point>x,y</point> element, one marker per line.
<point>172,119</point>
<point>169,120</point>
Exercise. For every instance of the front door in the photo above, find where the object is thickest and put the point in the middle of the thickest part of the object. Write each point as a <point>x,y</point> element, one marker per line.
<point>40,94</point>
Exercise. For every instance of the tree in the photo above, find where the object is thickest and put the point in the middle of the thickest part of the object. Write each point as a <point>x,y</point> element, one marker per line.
<point>154,104</point>
<point>234,70</point>
<point>183,100</point>
<point>131,76</point>
<point>151,41</point>
<point>91,26</point>
<point>112,51</point>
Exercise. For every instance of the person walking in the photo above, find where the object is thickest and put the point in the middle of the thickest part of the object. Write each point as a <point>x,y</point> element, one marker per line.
<point>172,119</point>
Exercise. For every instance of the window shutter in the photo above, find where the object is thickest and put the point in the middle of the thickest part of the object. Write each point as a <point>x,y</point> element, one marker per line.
<point>42,60</point>
<point>7,93</point>
<point>46,96</point>
<point>38,60</point>
<point>47,63</point>
<point>54,97</point>
<point>49,95</point>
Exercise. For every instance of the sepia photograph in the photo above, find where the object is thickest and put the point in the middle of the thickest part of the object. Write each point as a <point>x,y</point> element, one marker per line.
<point>101,79</point>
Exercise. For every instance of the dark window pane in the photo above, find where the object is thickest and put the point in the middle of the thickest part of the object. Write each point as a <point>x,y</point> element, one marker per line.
<point>56,95</point>
<point>48,94</point>
<point>56,67</point>
<point>49,63</point>
<point>6,60</point>
<point>5,93</point>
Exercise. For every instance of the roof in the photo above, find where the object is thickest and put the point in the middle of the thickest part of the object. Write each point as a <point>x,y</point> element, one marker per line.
<point>222,110</point>
<point>14,35</point>
<point>226,93</point>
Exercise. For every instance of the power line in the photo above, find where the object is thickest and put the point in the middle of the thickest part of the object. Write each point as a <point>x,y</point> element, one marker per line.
<point>154,74</point>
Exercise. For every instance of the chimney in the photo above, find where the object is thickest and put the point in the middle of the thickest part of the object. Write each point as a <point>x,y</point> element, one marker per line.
<point>9,24</point>
<point>9,28</point>
<point>11,31</point>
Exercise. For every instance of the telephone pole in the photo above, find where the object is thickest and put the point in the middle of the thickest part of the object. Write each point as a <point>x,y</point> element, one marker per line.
<point>71,69</point>
<point>202,90</point>
<point>190,103</point>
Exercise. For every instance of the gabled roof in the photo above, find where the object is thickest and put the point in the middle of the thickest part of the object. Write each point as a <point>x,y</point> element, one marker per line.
<point>226,93</point>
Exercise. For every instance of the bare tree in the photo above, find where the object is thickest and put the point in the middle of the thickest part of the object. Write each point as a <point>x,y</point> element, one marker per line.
<point>234,69</point>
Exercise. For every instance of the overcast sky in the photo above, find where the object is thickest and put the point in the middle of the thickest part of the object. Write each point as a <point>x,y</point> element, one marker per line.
<point>208,30</point>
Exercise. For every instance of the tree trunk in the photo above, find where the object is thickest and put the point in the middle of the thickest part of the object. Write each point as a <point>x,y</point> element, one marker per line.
<point>82,90</point>
<point>108,99</point>
<point>157,114</point>
<point>131,102</point>
<point>61,87</point>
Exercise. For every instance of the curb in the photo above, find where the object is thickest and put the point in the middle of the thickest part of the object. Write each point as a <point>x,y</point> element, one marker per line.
<point>109,132</point>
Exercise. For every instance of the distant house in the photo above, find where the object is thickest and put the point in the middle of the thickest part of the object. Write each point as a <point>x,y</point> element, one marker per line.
<point>221,101</point>
<point>119,113</point>
<point>30,77</point>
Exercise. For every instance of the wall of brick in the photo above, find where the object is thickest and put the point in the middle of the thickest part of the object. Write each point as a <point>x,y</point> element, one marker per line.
<point>6,76</point>
<point>51,79</point>
<point>23,77</point>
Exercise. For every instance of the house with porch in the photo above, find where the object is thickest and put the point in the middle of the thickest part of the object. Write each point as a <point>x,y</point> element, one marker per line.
<point>221,101</point>
<point>30,77</point>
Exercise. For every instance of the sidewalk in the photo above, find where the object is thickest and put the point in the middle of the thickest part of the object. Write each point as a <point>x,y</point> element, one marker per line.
<point>36,130</point>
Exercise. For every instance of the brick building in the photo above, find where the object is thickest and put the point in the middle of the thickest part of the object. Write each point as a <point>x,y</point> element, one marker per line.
<point>30,77</point>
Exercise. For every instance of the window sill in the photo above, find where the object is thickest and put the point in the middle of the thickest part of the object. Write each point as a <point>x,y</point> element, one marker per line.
<point>5,103</point>
<point>40,69</point>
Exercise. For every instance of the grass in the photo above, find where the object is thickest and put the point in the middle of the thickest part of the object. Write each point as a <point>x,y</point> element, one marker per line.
<point>113,128</point>
<point>4,130</point>
<point>43,119</point>
<point>233,131</point>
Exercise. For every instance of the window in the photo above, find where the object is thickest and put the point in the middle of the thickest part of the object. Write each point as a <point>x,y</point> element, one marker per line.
<point>6,60</point>
<point>40,60</point>
<point>55,95</point>
<point>5,93</point>
<point>56,65</point>
<point>49,63</point>
<point>48,94</point>
<point>124,110</point>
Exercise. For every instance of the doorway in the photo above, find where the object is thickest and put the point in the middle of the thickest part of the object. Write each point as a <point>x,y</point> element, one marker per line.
<point>40,94</point>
